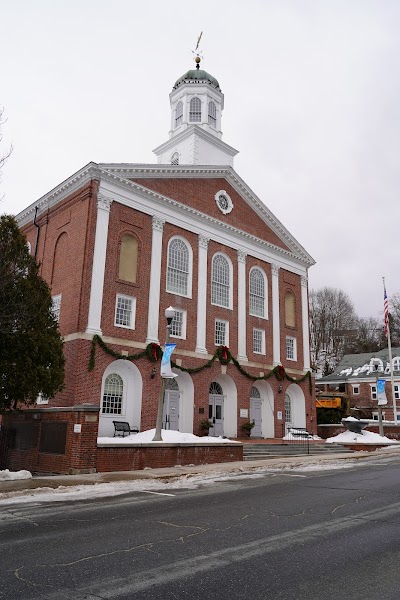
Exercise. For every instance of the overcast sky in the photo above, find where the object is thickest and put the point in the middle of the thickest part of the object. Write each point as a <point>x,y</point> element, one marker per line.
<point>312,101</point>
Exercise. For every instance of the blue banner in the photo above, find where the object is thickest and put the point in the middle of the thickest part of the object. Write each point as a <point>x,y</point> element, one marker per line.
<point>380,391</point>
<point>166,362</point>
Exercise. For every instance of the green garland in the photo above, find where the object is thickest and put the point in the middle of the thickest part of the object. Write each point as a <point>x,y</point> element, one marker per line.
<point>153,352</point>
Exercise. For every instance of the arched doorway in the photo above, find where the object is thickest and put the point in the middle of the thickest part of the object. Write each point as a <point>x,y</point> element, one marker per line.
<point>171,405</point>
<point>295,407</point>
<point>256,412</point>
<point>121,396</point>
<point>216,409</point>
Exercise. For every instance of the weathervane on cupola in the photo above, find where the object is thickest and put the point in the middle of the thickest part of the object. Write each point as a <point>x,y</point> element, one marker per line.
<point>197,52</point>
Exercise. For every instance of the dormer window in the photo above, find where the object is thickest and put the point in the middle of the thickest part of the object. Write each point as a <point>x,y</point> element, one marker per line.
<point>195,110</point>
<point>175,159</point>
<point>178,114</point>
<point>212,114</point>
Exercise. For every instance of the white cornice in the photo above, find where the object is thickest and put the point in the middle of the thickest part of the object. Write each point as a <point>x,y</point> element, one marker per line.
<point>200,223</point>
<point>223,172</point>
<point>201,133</point>
<point>67,187</point>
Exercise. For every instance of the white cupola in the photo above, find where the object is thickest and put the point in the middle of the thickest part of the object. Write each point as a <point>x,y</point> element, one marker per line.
<point>195,137</point>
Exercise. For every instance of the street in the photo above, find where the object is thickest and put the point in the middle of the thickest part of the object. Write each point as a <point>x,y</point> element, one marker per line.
<point>262,535</point>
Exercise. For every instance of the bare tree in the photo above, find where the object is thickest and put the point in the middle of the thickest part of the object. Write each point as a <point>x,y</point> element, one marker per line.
<point>394,319</point>
<point>3,156</point>
<point>369,337</point>
<point>333,323</point>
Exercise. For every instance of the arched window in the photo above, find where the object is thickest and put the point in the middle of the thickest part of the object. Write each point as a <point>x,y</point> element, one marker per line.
<point>220,289</point>
<point>255,392</point>
<point>257,293</point>
<point>178,267</point>
<point>61,258</point>
<point>215,389</point>
<point>112,395</point>
<point>128,257</point>
<point>290,315</point>
<point>195,110</point>
<point>212,114</point>
<point>171,384</point>
<point>178,114</point>
<point>396,363</point>
<point>175,159</point>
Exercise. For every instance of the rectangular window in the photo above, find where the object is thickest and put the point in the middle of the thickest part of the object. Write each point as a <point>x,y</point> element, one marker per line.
<point>125,311</point>
<point>221,333</point>
<point>397,392</point>
<point>356,390</point>
<point>375,416</point>
<point>258,341</point>
<point>373,392</point>
<point>178,324</point>
<point>56,307</point>
<point>291,349</point>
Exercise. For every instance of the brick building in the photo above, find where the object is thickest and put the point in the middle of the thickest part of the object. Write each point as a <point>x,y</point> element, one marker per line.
<point>355,377</point>
<point>119,243</point>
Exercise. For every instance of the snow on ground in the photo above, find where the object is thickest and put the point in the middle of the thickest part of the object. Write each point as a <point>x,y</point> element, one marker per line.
<point>168,436</point>
<point>298,435</point>
<point>14,475</point>
<point>366,437</point>
<point>154,486</point>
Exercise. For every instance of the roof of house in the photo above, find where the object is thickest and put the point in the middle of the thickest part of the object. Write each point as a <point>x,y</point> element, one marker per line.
<point>360,366</point>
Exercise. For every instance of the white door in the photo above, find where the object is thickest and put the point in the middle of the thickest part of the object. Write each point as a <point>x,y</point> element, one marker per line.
<point>255,413</point>
<point>171,405</point>
<point>288,413</point>
<point>216,410</point>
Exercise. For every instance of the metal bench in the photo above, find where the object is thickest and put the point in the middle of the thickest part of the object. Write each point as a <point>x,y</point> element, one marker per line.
<point>122,428</point>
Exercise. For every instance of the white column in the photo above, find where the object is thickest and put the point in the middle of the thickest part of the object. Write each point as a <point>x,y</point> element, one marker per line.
<point>155,280</point>
<point>241,257</point>
<point>305,322</point>
<point>276,326</point>
<point>99,264</point>
<point>202,296</point>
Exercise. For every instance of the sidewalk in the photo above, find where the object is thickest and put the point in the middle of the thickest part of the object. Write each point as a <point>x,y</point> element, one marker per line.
<point>54,481</point>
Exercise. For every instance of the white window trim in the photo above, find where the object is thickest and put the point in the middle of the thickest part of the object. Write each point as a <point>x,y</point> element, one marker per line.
<point>374,395</point>
<point>133,311</point>
<point>375,416</point>
<point>225,211</point>
<point>262,340</point>
<point>230,266</point>
<point>184,321</point>
<point>226,343</point>
<point>265,293</point>
<point>190,273</point>
<point>396,392</point>
<point>294,359</point>
<point>355,386</point>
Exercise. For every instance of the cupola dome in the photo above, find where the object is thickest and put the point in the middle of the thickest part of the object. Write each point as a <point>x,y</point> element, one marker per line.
<point>197,76</point>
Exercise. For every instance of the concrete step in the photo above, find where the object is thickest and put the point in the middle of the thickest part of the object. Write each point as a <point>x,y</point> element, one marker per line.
<point>261,451</point>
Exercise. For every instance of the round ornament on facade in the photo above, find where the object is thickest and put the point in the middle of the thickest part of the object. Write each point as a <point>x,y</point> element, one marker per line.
<point>224,202</point>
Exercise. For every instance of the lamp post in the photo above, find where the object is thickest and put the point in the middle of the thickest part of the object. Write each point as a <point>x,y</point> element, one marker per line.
<point>169,315</point>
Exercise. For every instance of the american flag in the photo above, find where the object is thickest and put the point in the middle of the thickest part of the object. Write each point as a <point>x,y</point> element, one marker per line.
<point>385,312</point>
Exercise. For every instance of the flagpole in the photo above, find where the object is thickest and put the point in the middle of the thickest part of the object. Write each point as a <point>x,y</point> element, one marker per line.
<point>387,326</point>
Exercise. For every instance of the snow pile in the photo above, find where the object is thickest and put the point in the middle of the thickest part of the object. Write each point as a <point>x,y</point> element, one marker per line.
<point>14,475</point>
<point>366,437</point>
<point>168,436</point>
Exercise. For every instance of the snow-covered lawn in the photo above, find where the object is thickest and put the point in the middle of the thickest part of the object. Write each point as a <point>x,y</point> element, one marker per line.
<point>14,475</point>
<point>366,437</point>
<point>168,436</point>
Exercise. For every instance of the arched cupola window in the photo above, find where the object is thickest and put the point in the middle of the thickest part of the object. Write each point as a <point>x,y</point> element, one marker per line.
<point>178,114</point>
<point>195,110</point>
<point>212,114</point>
<point>175,159</point>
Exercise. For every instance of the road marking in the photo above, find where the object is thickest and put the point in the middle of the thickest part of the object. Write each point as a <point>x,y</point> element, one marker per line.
<point>156,493</point>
